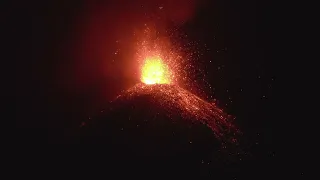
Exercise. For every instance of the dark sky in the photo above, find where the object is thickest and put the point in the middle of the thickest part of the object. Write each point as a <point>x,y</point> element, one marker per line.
<point>71,75</point>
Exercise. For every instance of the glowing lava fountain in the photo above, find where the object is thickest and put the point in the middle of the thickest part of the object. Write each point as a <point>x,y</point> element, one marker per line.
<point>163,68</point>
<point>154,71</point>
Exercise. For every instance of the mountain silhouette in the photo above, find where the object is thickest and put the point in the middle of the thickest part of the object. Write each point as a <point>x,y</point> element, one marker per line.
<point>159,124</point>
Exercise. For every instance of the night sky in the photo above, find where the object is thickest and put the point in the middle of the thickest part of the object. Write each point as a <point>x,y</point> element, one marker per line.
<point>81,58</point>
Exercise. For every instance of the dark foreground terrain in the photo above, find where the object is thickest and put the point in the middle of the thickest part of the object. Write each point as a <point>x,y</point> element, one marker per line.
<point>146,132</point>
<point>137,135</point>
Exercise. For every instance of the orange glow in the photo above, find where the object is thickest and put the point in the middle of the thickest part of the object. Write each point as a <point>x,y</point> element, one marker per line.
<point>157,57</point>
<point>154,71</point>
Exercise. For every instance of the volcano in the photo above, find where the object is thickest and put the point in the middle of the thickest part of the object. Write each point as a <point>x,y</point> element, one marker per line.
<point>159,122</point>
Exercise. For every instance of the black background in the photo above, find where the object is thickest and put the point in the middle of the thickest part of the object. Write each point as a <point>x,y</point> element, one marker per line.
<point>60,86</point>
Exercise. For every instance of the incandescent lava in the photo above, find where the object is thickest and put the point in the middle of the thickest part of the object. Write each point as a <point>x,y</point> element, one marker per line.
<point>154,71</point>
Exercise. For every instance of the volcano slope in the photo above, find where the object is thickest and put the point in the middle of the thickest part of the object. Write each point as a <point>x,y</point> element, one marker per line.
<point>159,124</point>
